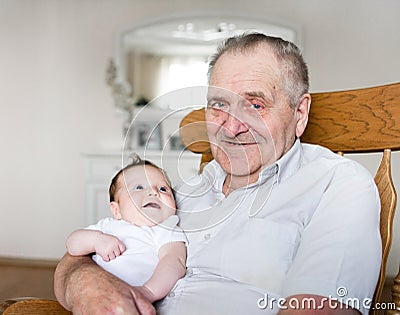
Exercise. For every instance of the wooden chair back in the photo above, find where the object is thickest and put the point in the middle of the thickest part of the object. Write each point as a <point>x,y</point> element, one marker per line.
<point>356,121</point>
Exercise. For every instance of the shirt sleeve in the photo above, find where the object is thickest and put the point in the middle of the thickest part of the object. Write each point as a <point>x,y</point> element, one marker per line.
<point>169,231</point>
<point>340,251</point>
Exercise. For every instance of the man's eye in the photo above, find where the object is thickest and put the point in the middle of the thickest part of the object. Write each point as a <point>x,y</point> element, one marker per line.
<point>138,187</point>
<point>256,106</point>
<point>218,105</point>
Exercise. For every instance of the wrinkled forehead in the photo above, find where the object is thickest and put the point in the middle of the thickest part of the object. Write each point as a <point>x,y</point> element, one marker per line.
<point>246,74</point>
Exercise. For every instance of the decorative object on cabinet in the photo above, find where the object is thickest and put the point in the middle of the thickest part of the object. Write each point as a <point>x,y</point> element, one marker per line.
<point>175,143</point>
<point>147,135</point>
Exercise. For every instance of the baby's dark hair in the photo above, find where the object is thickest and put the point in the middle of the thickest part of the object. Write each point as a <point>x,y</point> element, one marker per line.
<point>136,161</point>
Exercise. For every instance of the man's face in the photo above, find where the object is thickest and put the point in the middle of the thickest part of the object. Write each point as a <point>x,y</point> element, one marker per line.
<point>249,121</point>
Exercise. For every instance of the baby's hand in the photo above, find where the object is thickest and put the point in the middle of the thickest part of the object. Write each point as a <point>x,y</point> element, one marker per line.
<point>108,246</point>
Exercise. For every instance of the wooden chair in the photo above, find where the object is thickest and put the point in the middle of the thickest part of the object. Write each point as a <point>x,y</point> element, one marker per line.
<point>32,306</point>
<point>356,121</point>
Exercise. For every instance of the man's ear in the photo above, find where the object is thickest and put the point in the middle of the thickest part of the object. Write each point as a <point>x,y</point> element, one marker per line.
<point>302,111</point>
<point>115,210</point>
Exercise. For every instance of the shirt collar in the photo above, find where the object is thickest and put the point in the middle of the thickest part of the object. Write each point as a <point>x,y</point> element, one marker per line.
<point>290,162</point>
<point>215,175</point>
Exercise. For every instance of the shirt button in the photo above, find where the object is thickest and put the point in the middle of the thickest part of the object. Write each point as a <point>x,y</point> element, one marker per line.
<point>189,272</point>
<point>171,294</point>
<point>207,236</point>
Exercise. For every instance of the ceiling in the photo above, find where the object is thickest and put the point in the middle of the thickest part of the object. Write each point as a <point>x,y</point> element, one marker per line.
<point>195,36</point>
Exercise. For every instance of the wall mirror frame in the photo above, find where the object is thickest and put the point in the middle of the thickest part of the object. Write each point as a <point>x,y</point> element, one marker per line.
<point>132,73</point>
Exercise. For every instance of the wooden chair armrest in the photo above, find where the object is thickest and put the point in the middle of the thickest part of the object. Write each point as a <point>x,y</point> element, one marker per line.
<point>395,296</point>
<point>31,305</point>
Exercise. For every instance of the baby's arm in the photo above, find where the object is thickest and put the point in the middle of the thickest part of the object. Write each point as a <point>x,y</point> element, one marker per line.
<point>85,241</point>
<point>171,267</point>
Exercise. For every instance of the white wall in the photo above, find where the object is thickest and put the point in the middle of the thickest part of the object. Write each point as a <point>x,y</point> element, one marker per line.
<point>55,104</point>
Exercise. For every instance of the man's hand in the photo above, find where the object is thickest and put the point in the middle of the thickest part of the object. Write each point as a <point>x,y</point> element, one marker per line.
<point>84,288</point>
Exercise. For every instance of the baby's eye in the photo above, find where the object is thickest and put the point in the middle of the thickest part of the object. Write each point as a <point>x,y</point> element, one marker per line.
<point>163,189</point>
<point>138,187</point>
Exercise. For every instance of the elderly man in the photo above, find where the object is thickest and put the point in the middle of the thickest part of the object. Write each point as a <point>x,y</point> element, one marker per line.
<point>274,225</point>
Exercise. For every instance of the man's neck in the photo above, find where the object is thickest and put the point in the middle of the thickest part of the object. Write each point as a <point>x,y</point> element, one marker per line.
<point>233,182</point>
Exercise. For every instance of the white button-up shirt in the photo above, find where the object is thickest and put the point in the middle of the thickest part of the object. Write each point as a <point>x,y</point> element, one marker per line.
<point>309,225</point>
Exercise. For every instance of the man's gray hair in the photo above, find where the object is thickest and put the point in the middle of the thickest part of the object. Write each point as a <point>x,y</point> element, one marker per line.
<point>294,71</point>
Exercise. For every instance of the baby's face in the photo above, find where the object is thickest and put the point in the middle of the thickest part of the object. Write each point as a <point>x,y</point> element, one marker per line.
<point>144,196</point>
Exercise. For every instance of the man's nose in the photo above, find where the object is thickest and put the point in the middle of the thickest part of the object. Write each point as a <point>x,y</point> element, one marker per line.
<point>234,124</point>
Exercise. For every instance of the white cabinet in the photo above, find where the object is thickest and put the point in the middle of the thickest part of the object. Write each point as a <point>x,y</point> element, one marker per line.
<point>102,166</point>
